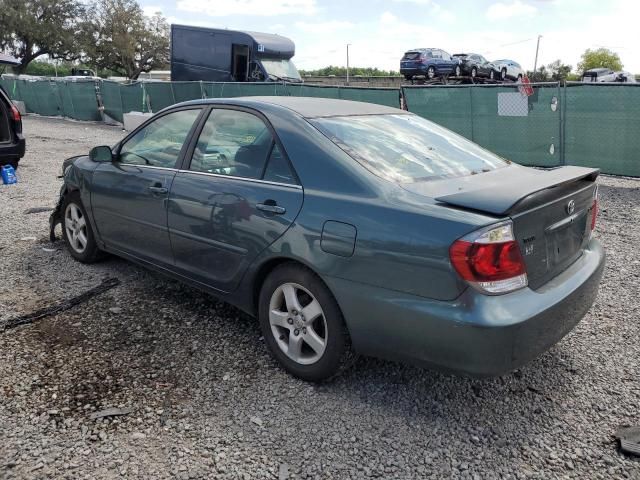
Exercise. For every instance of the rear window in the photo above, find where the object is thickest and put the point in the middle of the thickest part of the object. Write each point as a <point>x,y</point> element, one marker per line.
<point>414,55</point>
<point>406,148</point>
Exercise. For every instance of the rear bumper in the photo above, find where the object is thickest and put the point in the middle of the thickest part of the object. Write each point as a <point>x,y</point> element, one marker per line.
<point>421,70</point>
<point>14,150</point>
<point>476,334</point>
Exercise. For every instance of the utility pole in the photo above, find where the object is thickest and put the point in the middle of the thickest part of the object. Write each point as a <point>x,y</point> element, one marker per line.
<point>535,63</point>
<point>348,63</point>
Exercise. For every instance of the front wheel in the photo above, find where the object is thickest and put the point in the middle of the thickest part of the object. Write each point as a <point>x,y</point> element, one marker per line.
<point>474,72</point>
<point>431,73</point>
<point>492,74</point>
<point>503,74</point>
<point>302,324</point>
<point>458,71</point>
<point>77,232</point>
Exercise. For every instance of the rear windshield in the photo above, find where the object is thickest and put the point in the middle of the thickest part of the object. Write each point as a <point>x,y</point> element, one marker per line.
<point>415,55</point>
<point>405,148</point>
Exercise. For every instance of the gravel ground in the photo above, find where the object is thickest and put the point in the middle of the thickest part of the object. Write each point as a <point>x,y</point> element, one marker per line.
<point>209,402</point>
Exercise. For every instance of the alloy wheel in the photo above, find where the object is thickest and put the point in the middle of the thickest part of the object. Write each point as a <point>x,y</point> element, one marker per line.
<point>298,323</point>
<point>75,225</point>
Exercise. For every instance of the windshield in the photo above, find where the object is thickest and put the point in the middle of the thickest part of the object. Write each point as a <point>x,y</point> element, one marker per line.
<point>280,68</point>
<point>406,148</point>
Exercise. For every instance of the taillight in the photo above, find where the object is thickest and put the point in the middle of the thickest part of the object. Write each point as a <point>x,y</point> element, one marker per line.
<point>594,209</point>
<point>15,114</point>
<point>490,260</point>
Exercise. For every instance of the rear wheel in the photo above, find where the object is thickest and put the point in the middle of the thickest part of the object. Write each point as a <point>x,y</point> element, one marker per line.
<point>519,77</point>
<point>492,74</point>
<point>503,73</point>
<point>77,232</point>
<point>474,72</point>
<point>408,77</point>
<point>431,73</point>
<point>458,71</point>
<point>12,162</point>
<point>302,324</point>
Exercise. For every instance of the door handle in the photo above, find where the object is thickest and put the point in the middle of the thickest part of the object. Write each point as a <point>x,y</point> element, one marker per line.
<point>158,189</point>
<point>271,207</point>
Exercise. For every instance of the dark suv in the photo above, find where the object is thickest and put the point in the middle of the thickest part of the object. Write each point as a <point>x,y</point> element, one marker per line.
<point>428,62</point>
<point>12,144</point>
<point>476,65</point>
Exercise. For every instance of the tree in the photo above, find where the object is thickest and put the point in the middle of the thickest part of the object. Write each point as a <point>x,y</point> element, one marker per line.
<point>559,71</point>
<point>353,71</point>
<point>32,28</point>
<point>600,58</point>
<point>118,36</point>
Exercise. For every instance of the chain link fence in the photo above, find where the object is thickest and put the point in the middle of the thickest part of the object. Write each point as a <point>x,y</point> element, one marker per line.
<point>585,124</point>
<point>595,125</point>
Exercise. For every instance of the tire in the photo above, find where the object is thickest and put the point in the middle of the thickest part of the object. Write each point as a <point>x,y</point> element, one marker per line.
<point>457,71</point>
<point>13,162</point>
<point>408,77</point>
<point>315,348</point>
<point>75,228</point>
<point>474,72</point>
<point>492,75</point>
<point>503,74</point>
<point>519,77</point>
<point>431,72</point>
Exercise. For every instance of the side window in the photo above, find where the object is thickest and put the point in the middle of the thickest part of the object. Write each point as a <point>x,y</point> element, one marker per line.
<point>446,56</point>
<point>159,143</point>
<point>278,169</point>
<point>232,143</point>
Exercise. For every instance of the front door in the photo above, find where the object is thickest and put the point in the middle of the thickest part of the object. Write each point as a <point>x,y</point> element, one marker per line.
<point>129,196</point>
<point>237,197</point>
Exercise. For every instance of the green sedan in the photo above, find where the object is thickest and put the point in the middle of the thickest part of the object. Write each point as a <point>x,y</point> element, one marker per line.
<point>346,228</point>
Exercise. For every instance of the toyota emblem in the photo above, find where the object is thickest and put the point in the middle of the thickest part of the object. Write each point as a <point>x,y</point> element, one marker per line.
<point>571,207</point>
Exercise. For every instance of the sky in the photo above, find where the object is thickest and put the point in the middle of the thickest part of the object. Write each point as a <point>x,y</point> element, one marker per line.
<point>380,31</point>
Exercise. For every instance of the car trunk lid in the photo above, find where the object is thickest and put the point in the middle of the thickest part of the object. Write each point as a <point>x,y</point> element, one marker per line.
<point>550,209</point>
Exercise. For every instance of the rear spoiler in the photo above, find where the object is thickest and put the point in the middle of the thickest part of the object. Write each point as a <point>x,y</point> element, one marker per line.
<point>502,199</point>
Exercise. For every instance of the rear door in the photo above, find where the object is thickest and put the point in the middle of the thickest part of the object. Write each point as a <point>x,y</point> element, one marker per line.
<point>446,62</point>
<point>129,196</point>
<point>236,196</point>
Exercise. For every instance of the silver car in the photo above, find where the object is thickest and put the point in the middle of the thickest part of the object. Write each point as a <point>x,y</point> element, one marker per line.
<point>508,69</point>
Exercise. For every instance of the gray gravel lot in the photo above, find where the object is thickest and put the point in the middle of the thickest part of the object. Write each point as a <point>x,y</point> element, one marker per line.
<point>209,402</point>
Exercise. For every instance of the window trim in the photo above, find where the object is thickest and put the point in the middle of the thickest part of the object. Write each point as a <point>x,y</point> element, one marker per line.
<point>185,164</point>
<point>154,118</point>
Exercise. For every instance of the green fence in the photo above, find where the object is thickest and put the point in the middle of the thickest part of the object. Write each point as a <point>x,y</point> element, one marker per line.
<point>81,100</point>
<point>595,125</point>
<point>602,127</point>
<point>501,119</point>
<point>73,99</point>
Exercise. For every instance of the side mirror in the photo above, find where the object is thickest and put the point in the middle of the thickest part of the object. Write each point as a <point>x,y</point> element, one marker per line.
<point>102,153</point>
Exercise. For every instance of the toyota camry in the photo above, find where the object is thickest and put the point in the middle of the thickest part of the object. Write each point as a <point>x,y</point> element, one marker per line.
<point>346,228</point>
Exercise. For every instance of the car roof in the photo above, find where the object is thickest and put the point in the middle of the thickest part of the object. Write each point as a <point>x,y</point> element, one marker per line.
<point>308,107</point>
